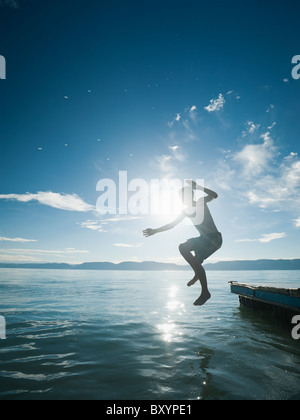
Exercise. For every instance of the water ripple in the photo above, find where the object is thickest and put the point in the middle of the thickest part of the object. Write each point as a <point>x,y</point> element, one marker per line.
<point>91,335</point>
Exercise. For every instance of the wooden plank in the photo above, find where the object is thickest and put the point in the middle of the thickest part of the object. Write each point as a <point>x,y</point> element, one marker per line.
<point>286,298</point>
<point>278,298</point>
<point>242,290</point>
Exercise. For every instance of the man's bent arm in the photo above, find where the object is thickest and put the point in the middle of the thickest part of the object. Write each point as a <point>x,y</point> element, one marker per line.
<point>212,194</point>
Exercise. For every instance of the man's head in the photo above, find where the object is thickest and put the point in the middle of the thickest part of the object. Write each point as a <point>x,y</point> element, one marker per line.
<point>187,196</point>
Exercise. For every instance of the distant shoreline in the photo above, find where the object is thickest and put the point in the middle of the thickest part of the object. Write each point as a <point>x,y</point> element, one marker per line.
<point>257,265</point>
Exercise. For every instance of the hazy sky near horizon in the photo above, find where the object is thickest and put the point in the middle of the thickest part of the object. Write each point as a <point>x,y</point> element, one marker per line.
<point>161,89</point>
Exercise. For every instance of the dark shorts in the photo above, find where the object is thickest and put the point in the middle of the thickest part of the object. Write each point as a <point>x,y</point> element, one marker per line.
<point>205,246</point>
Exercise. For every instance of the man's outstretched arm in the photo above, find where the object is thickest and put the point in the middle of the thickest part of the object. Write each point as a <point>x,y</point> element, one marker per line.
<point>151,232</point>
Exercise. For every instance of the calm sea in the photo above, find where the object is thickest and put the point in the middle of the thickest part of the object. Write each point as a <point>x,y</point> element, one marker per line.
<point>136,335</point>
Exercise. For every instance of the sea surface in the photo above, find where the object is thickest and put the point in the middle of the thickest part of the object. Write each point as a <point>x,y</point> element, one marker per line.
<point>136,335</point>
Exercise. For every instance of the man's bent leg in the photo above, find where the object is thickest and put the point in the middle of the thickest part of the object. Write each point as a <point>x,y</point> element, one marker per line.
<point>205,295</point>
<point>196,266</point>
<point>185,251</point>
<point>200,274</point>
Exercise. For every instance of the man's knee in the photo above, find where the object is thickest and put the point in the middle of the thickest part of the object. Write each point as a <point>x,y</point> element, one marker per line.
<point>184,248</point>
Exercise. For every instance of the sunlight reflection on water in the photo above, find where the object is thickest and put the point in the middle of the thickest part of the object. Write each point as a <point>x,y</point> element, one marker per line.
<point>170,330</point>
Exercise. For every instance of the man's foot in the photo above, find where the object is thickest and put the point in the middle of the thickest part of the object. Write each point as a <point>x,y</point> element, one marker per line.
<point>193,281</point>
<point>202,299</point>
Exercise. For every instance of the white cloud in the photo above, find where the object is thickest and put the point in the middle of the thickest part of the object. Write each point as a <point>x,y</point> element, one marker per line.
<point>177,118</point>
<point>224,175</point>
<point>128,245</point>
<point>272,126</point>
<point>97,225</point>
<point>292,155</point>
<point>165,165</point>
<point>184,129</point>
<point>252,127</point>
<point>216,104</point>
<point>169,165</point>
<point>40,255</point>
<point>118,219</point>
<point>270,108</point>
<point>193,113</point>
<point>267,238</point>
<point>6,258</point>
<point>272,237</point>
<point>279,191</point>
<point>46,252</point>
<point>174,148</point>
<point>93,225</point>
<point>297,222</point>
<point>178,153</point>
<point>256,158</point>
<point>69,202</point>
<point>16,240</point>
<point>262,176</point>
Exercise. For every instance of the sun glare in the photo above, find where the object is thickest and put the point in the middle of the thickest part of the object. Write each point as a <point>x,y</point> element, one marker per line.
<point>165,200</point>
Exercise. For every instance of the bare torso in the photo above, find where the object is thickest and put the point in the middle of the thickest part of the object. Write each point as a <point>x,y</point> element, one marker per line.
<point>202,219</point>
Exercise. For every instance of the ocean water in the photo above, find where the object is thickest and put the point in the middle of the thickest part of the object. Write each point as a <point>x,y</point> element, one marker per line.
<point>136,335</point>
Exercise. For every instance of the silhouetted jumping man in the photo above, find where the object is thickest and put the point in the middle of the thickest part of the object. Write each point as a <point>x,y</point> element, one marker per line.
<point>205,245</point>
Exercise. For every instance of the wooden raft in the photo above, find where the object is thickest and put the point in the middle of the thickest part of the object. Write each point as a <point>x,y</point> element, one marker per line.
<point>284,303</point>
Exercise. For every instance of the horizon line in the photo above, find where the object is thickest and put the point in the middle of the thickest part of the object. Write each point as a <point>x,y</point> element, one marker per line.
<point>142,262</point>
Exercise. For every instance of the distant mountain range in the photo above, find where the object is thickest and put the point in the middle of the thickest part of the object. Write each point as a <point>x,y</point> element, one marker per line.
<point>124,266</point>
<point>156,266</point>
<point>255,265</point>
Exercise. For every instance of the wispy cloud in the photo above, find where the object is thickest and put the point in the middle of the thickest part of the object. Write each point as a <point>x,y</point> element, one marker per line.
<point>40,255</point>
<point>19,258</point>
<point>267,238</point>
<point>278,190</point>
<point>297,222</point>
<point>118,219</point>
<point>94,225</point>
<point>261,176</point>
<point>3,239</point>
<point>178,153</point>
<point>177,118</point>
<point>256,158</point>
<point>128,245</point>
<point>164,164</point>
<point>46,251</point>
<point>251,128</point>
<point>216,104</point>
<point>193,113</point>
<point>102,225</point>
<point>169,164</point>
<point>69,202</point>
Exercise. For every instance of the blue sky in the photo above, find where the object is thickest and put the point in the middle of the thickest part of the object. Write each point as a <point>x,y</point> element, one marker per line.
<point>162,89</point>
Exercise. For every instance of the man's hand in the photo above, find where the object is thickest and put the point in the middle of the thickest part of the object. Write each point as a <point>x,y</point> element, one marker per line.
<point>149,232</point>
